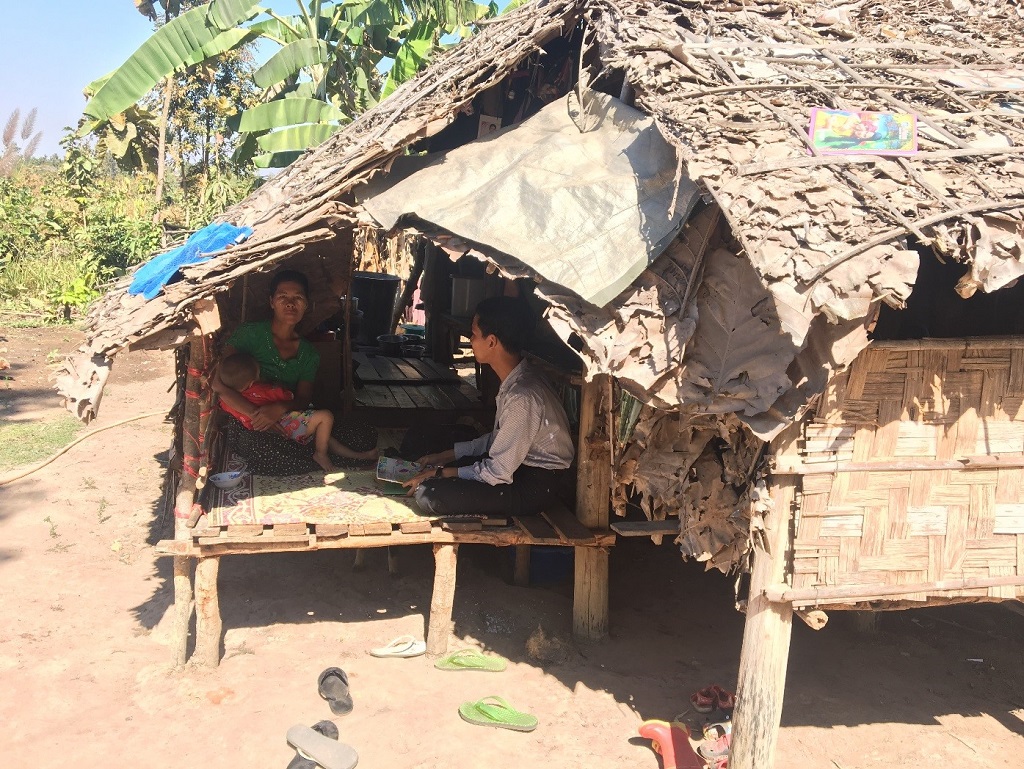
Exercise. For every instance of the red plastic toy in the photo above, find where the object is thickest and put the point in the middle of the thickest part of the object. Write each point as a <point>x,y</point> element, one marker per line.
<point>671,741</point>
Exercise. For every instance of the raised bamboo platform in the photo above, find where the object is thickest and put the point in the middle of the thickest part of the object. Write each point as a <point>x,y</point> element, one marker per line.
<point>557,527</point>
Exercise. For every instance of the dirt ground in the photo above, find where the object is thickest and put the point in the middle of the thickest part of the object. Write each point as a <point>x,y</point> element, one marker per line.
<point>85,639</point>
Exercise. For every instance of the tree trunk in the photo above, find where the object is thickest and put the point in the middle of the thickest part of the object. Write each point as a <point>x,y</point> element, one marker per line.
<point>161,159</point>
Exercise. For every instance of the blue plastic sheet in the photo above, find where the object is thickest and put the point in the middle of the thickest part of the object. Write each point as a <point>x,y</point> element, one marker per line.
<point>151,277</point>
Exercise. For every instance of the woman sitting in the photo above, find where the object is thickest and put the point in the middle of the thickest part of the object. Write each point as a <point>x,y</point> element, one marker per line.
<point>287,360</point>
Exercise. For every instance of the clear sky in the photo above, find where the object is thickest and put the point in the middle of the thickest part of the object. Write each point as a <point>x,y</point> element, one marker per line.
<point>49,51</point>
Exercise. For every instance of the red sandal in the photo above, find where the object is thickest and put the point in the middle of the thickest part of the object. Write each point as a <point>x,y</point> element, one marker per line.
<point>705,700</point>
<point>724,700</point>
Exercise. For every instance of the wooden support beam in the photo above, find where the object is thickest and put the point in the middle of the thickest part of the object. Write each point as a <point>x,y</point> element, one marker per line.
<point>183,607</point>
<point>521,574</point>
<point>208,621</point>
<point>815,619</point>
<point>184,498</point>
<point>228,545</point>
<point>442,600</point>
<point>766,634</point>
<point>810,596</point>
<point>593,501</point>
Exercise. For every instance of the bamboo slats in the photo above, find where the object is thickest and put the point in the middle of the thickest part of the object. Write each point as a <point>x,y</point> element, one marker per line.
<point>911,475</point>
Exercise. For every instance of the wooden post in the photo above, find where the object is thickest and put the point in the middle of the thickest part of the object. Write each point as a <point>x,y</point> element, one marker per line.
<point>191,450</point>
<point>593,499</point>
<point>521,574</point>
<point>208,622</point>
<point>182,607</point>
<point>443,599</point>
<point>766,634</point>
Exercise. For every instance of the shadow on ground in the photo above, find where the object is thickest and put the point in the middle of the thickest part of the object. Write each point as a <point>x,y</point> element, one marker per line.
<point>682,618</point>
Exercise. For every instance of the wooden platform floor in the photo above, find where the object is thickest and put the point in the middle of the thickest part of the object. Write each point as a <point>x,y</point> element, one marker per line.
<point>401,391</point>
<point>558,527</point>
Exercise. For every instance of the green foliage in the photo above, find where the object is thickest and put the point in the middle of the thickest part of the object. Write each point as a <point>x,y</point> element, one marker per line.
<point>193,37</point>
<point>206,102</point>
<point>67,230</point>
<point>217,191</point>
<point>347,54</point>
<point>25,443</point>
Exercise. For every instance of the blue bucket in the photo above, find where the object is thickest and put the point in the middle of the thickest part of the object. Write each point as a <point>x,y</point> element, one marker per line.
<point>548,563</point>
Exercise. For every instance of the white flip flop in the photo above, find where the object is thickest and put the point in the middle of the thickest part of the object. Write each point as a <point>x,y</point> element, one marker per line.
<point>328,753</point>
<point>403,646</point>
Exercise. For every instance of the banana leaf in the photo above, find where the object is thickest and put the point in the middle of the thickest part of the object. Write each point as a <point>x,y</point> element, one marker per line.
<point>288,112</point>
<point>274,29</point>
<point>277,159</point>
<point>299,137</point>
<point>412,56</point>
<point>369,13</point>
<point>515,4</point>
<point>225,14</point>
<point>290,60</point>
<point>187,40</point>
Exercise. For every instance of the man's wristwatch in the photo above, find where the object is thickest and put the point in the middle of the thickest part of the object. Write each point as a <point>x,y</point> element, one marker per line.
<point>439,472</point>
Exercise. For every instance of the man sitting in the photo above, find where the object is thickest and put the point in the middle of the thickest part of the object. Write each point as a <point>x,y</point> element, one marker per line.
<point>517,468</point>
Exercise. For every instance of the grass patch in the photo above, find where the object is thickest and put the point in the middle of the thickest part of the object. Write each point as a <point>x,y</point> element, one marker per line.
<point>26,443</point>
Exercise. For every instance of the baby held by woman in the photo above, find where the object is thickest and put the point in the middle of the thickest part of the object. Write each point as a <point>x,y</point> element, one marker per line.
<point>241,372</point>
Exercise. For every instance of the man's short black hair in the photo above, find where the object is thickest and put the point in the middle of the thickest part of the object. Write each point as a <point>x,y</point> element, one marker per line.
<point>507,318</point>
<point>290,276</point>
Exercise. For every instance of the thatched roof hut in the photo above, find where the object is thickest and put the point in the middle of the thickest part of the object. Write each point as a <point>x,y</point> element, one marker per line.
<point>823,238</point>
<point>731,334</point>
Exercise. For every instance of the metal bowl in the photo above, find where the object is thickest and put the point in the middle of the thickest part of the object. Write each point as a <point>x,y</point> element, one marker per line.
<point>413,350</point>
<point>391,344</point>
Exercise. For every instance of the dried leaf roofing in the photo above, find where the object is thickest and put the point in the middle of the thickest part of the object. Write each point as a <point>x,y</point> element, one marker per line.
<point>731,86</point>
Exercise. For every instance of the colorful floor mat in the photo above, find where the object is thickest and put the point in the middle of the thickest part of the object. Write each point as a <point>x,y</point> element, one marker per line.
<point>349,496</point>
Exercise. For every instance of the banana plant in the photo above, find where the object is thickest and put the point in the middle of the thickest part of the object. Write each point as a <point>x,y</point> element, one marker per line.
<point>335,59</point>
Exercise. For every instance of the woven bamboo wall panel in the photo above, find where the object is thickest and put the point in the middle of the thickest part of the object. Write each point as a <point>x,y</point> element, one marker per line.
<point>912,473</point>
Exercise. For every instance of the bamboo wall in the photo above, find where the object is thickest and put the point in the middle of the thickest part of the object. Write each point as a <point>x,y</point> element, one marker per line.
<point>911,474</point>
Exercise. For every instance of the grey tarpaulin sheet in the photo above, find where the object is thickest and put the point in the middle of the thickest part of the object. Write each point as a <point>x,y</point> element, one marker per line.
<point>588,210</point>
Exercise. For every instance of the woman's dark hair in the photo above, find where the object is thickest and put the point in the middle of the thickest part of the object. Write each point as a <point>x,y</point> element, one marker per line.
<point>507,318</point>
<point>289,276</point>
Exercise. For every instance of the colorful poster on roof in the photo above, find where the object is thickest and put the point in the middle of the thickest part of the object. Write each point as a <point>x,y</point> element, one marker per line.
<point>839,132</point>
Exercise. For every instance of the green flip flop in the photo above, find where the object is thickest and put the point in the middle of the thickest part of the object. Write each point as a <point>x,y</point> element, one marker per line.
<point>471,659</point>
<point>497,712</point>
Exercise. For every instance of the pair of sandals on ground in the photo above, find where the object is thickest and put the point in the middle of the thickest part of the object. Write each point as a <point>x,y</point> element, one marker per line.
<point>492,711</point>
<point>319,745</point>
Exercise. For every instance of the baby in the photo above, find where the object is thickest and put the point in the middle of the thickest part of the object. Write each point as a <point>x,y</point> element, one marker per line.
<point>241,372</point>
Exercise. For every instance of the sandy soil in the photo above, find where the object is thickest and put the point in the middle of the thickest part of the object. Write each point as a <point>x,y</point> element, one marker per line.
<point>85,628</point>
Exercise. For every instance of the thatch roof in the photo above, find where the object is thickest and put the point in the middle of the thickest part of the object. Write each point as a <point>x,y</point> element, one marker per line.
<point>731,85</point>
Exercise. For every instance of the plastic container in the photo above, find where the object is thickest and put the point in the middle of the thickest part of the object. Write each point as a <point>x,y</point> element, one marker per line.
<point>548,563</point>
<point>377,294</point>
<point>391,344</point>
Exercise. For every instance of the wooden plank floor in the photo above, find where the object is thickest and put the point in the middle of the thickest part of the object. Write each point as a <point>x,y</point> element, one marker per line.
<point>402,390</point>
<point>237,540</point>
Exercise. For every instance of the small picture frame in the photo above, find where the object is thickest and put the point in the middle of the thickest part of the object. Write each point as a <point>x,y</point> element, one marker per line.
<point>488,126</point>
